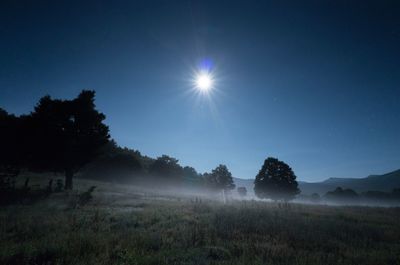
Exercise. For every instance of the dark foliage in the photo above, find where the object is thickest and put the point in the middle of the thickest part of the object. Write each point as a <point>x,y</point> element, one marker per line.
<point>341,195</point>
<point>115,166</point>
<point>12,145</point>
<point>124,165</point>
<point>59,136</point>
<point>192,178</point>
<point>219,179</point>
<point>349,196</point>
<point>393,196</point>
<point>166,168</point>
<point>376,195</point>
<point>276,181</point>
<point>66,134</point>
<point>190,173</point>
<point>12,155</point>
<point>370,197</point>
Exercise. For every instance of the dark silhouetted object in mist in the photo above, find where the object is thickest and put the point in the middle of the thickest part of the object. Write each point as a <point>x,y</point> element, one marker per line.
<point>192,178</point>
<point>115,164</point>
<point>12,144</point>
<point>166,168</point>
<point>220,179</point>
<point>276,181</point>
<point>242,191</point>
<point>315,198</point>
<point>341,195</point>
<point>66,134</point>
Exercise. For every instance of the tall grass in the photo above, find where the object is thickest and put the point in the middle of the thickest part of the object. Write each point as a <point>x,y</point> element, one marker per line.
<point>183,231</point>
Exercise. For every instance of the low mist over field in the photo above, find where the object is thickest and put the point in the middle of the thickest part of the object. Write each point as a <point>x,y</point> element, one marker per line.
<point>199,132</point>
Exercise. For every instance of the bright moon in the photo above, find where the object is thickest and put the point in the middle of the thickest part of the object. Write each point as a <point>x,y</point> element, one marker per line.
<point>204,81</point>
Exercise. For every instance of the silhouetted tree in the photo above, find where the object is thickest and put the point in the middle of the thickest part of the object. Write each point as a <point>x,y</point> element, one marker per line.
<point>13,147</point>
<point>373,196</point>
<point>7,142</point>
<point>167,168</point>
<point>209,181</point>
<point>220,179</point>
<point>190,172</point>
<point>242,191</point>
<point>112,149</point>
<point>67,134</point>
<point>120,167</point>
<point>192,178</point>
<point>276,181</point>
<point>341,195</point>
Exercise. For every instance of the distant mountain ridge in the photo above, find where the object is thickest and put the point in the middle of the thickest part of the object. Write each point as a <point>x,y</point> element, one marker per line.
<point>385,182</point>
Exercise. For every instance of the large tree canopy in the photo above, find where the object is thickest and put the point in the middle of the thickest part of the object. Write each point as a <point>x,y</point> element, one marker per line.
<point>276,181</point>
<point>66,134</point>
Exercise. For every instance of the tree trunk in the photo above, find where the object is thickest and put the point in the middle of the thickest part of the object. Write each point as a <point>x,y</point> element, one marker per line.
<point>68,179</point>
<point>223,196</point>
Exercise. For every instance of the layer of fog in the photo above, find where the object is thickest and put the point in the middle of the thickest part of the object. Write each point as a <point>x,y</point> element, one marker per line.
<point>160,190</point>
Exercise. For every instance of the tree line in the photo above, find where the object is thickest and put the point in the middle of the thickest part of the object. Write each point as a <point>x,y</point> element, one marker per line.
<point>70,136</point>
<point>344,195</point>
<point>124,165</point>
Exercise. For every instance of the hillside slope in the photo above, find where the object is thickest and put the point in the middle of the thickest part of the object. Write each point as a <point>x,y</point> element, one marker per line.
<point>386,182</point>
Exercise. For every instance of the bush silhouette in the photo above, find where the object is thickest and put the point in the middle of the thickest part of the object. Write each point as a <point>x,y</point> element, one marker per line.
<point>341,195</point>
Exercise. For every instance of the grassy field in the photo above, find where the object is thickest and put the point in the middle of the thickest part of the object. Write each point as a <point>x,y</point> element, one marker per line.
<point>124,225</point>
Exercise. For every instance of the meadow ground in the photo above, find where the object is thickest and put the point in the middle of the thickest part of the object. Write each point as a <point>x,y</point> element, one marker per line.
<point>125,225</point>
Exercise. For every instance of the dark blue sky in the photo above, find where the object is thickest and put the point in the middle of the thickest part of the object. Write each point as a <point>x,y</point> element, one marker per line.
<point>316,84</point>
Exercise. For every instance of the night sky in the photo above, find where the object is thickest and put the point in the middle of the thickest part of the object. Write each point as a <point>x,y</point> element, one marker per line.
<point>315,84</point>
